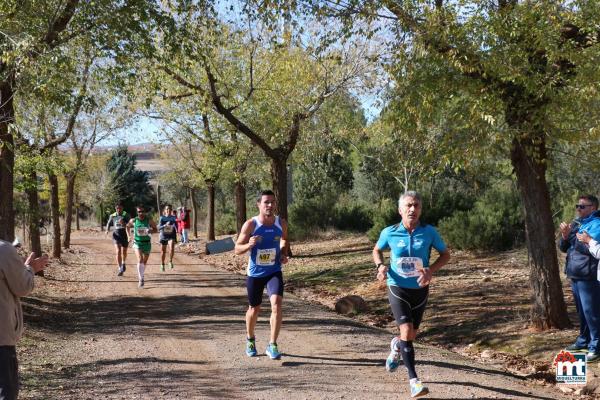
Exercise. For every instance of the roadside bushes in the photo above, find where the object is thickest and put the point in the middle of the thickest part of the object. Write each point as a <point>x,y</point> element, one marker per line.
<point>494,223</point>
<point>385,215</point>
<point>225,224</point>
<point>310,215</point>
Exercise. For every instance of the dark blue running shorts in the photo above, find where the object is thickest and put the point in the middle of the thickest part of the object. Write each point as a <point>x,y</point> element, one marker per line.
<point>165,240</point>
<point>408,305</point>
<point>256,287</point>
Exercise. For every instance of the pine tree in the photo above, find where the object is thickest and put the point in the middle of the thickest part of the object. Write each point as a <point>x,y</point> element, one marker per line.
<point>132,185</point>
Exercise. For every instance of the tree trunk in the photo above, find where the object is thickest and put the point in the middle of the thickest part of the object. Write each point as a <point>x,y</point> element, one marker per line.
<point>194,211</point>
<point>210,210</point>
<point>69,210</point>
<point>158,209</point>
<point>7,162</point>
<point>24,231</point>
<point>548,306</point>
<point>101,217</point>
<point>55,215</point>
<point>279,179</point>
<point>528,157</point>
<point>34,214</point>
<point>240,204</point>
<point>76,212</point>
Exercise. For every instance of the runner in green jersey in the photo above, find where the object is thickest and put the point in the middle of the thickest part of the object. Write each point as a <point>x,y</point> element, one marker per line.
<point>142,228</point>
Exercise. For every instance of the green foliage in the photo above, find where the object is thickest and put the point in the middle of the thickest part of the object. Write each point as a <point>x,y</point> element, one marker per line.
<point>373,183</point>
<point>495,222</point>
<point>132,185</point>
<point>350,216</point>
<point>325,163</point>
<point>225,224</point>
<point>328,211</point>
<point>311,213</point>
<point>385,215</point>
<point>444,196</point>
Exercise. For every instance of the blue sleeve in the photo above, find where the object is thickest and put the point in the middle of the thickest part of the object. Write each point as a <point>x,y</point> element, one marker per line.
<point>592,228</point>
<point>382,243</point>
<point>437,242</point>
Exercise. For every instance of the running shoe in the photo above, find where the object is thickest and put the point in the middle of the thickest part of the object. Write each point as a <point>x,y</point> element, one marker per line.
<point>171,265</point>
<point>121,270</point>
<point>592,357</point>
<point>162,267</point>
<point>576,347</point>
<point>141,283</point>
<point>273,352</point>
<point>417,389</point>
<point>251,348</point>
<point>393,360</point>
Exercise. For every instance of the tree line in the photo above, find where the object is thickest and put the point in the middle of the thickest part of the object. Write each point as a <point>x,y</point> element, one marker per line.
<point>488,108</point>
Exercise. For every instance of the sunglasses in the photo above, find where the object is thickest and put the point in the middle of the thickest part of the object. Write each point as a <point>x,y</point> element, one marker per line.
<point>582,206</point>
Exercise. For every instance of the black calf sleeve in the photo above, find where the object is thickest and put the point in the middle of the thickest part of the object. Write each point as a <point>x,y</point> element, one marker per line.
<point>408,356</point>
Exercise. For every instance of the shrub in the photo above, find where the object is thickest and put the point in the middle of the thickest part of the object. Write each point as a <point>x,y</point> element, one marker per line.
<point>225,224</point>
<point>385,215</point>
<point>327,211</point>
<point>443,204</point>
<point>309,215</point>
<point>352,217</point>
<point>494,223</point>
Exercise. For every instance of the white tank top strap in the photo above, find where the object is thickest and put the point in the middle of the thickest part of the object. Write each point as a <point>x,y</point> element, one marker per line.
<point>257,224</point>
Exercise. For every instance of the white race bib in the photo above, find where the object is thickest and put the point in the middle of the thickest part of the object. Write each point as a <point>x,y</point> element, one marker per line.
<point>265,257</point>
<point>143,231</point>
<point>168,229</point>
<point>119,223</point>
<point>409,267</point>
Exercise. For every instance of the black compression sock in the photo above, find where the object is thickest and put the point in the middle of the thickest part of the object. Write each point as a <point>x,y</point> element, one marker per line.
<point>408,356</point>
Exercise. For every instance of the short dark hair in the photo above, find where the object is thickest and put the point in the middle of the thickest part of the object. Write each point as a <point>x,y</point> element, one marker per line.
<point>262,193</point>
<point>119,204</point>
<point>168,206</point>
<point>591,198</point>
<point>140,207</point>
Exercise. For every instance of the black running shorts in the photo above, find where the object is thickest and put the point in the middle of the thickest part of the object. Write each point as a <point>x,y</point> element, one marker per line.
<point>165,240</point>
<point>120,240</point>
<point>408,305</point>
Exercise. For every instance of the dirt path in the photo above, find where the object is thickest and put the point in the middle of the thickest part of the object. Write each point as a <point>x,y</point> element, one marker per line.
<point>182,336</point>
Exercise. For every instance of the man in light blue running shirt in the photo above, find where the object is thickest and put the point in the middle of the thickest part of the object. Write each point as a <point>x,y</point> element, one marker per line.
<point>265,237</point>
<point>408,278</point>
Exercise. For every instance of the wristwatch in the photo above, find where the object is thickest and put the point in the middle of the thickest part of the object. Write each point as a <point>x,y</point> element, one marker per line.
<point>380,264</point>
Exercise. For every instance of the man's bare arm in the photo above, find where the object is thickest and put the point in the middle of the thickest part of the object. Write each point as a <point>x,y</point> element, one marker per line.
<point>245,240</point>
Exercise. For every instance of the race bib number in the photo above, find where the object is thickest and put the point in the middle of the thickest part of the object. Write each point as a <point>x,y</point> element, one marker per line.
<point>143,231</point>
<point>409,267</point>
<point>265,257</point>
<point>119,223</point>
<point>168,229</point>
